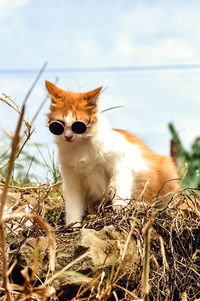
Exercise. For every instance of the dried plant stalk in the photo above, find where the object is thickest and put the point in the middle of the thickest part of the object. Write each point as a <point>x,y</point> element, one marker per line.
<point>47,228</point>
<point>29,129</point>
<point>147,236</point>
<point>8,100</point>
<point>15,142</point>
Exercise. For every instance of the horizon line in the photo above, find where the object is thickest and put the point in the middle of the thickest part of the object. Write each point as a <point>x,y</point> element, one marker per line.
<point>106,69</point>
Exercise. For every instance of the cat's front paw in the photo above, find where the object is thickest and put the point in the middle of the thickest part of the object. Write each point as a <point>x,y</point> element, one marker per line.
<point>119,204</point>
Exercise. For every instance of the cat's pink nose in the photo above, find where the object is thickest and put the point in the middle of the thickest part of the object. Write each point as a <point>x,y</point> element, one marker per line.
<point>68,138</point>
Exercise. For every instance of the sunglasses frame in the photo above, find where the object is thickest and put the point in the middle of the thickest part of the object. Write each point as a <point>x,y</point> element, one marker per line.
<point>64,124</point>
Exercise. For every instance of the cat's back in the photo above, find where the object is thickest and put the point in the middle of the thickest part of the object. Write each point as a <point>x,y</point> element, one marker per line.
<point>161,172</point>
<point>146,152</point>
<point>134,140</point>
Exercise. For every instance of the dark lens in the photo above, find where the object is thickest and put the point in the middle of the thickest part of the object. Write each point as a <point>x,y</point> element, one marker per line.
<point>79,127</point>
<point>56,128</point>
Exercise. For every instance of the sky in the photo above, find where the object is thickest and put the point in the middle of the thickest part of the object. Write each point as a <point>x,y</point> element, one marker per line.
<point>79,34</point>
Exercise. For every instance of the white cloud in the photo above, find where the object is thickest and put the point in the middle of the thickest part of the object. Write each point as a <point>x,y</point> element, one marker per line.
<point>142,21</point>
<point>166,51</point>
<point>7,6</point>
<point>88,50</point>
<point>158,34</point>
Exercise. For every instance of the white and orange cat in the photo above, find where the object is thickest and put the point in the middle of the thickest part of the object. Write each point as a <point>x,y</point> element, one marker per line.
<point>95,158</point>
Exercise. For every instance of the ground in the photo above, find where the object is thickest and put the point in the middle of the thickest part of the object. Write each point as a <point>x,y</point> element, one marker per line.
<point>143,252</point>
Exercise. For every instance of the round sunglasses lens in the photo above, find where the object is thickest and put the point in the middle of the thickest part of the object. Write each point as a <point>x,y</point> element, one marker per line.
<point>79,127</point>
<point>56,128</point>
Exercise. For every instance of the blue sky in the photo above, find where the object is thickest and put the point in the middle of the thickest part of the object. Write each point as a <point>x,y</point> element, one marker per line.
<point>93,33</point>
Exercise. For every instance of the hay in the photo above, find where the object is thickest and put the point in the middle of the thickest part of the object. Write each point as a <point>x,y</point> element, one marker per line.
<point>174,257</point>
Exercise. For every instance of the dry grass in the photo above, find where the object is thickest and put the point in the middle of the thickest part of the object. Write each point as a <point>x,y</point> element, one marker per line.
<point>166,233</point>
<point>170,264</point>
<point>168,243</point>
<point>10,290</point>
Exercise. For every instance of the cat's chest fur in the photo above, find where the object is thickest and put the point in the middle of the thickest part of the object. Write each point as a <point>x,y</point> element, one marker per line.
<point>91,165</point>
<point>83,158</point>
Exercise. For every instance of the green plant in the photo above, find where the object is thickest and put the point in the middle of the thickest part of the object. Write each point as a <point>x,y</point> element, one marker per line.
<point>188,161</point>
<point>21,173</point>
<point>51,164</point>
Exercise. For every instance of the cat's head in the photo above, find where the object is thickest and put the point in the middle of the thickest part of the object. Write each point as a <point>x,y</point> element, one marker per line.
<point>72,114</point>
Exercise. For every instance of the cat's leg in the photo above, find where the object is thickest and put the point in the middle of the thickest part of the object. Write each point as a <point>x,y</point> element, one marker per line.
<point>122,183</point>
<point>74,201</point>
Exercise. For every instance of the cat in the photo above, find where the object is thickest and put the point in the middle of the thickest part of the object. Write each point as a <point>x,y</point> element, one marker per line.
<point>95,158</point>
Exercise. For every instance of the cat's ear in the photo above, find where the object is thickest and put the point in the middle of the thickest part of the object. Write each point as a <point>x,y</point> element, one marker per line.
<point>53,90</point>
<point>93,96</point>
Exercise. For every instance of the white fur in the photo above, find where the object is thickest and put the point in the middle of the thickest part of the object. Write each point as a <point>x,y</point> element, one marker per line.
<point>95,162</point>
<point>69,119</point>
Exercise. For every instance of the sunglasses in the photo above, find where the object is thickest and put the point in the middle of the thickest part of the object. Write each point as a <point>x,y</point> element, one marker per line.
<point>57,127</point>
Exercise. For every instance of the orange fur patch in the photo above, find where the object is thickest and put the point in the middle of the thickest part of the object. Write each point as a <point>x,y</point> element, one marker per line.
<point>162,175</point>
<point>82,105</point>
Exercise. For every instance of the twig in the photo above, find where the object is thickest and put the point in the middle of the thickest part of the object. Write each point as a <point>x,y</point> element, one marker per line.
<point>128,292</point>
<point>6,133</point>
<point>162,186</point>
<point>179,262</point>
<point>115,295</point>
<point>147,236</point>
<point>13,107</point>
<point>35,82</point>
<point>128,240</point>
<point>39,109</point>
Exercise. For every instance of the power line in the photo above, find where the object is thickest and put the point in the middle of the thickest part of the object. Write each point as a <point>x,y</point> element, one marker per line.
<point>106,69</point>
